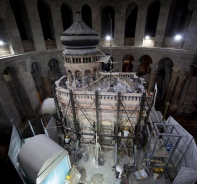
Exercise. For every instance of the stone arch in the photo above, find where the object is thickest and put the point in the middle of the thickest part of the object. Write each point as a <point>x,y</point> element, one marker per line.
<point>45,16</point>
<point>179,17</point>
<point>22,20</point>
<point>78,77</point>
<point>152,18</point>
<point>127,65</point>
<point>130,25</point>
<point>67,15</point>
<point>37,78</point>
<point>107,21</point>
<point>164,76</point>
<point>53,63</point>
<point>54,70</point>
<point>88,76</point>
<point>144,65</point>
<point>87,15</point>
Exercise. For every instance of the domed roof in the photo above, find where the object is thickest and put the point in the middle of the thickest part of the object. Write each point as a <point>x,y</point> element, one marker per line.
<point>79,35</point>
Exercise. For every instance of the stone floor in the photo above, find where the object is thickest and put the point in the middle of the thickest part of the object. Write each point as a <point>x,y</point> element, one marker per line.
<point>92,173</point>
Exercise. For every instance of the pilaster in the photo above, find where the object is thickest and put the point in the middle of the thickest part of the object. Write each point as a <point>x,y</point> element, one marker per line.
<point>153,77</point>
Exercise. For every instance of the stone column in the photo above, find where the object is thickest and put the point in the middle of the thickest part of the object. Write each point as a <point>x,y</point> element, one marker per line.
<point>57,23</point>
<point>136,65</point>
<point>172,86</point>
<point>177,93</point>
<point>35,24</point>
<point>162,22</point>
<point>140,25</point>
<point>191,40</point>
<point>46,82</point>
<point>69,78</point>
<point>8,111</point>
<point>153,77</point>
<point>119,27</point>
<point>31,103</point>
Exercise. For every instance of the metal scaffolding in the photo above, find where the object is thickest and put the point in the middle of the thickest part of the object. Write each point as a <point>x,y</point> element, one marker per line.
<point>161,146</point>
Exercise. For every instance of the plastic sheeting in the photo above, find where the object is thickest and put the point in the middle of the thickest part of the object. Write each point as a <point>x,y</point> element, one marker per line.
<point>16,143</point>
<point>48,106</point>
<point>15,146</point>
<point>185,147</point>
<point>186,176</point>
<point>52,130</point>
<point>185,156</point>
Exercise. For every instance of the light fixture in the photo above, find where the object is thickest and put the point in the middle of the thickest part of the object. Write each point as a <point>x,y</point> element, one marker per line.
<point>147,37</point>
<point>1,43</point>
<point>178,37</point>
<point>108,38</point>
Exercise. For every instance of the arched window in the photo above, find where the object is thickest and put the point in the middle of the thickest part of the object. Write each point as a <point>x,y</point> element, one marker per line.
<point>20,14</point>
<point>53,63</point>
<point>144,65</point>
<point>152,19</point>
<point>107,21</point>
<point>131,20</point>
<point>54,72</point>
<point>127,65</point>
<point>67,16</point>
<point>179,18</point>
<point>45,19</point>
<point>87,15</point>
<point>36,74</point>
<point>163,78</point>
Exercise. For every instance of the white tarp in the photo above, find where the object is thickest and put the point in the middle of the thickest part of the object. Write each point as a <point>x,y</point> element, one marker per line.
<point>52,130</point>
<point>185,156</point>
<point>16,143</point>
<point>186,176</point>
<point>181,156</point>
<point>15,146</point>
<point>48,106</point>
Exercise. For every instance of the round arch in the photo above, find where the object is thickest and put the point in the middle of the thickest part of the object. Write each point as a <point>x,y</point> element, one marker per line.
<point>127,65</point>
<point>67,15</point>
<point>87,15</point>
<point>144,65</point>
<point>107,21</point>
<point>164,76</point>
<point>130,24</point>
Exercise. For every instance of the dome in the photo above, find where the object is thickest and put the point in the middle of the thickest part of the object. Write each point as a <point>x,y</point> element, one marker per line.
<point>79,35</point>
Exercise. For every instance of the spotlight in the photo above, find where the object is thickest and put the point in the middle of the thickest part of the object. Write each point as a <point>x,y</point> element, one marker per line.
<point>147,37</point>
<point>178,37</point>
<point>108,38</point>
<point>1,43</point>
